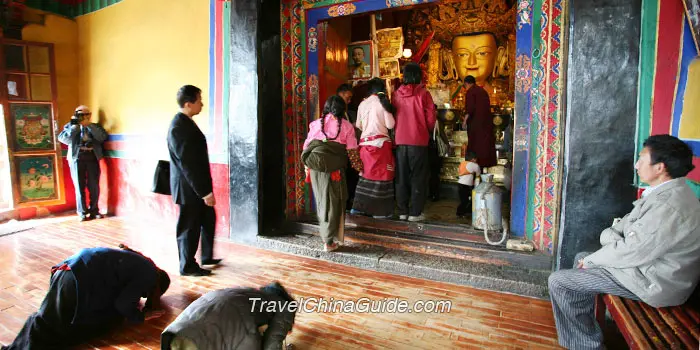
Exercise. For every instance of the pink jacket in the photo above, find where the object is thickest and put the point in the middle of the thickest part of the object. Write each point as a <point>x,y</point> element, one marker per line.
<point>415,115</point>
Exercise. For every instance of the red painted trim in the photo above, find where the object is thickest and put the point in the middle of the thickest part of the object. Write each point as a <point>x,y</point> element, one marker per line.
<point>670,30</point>
<point>695,174</point>
<point>219,69</point>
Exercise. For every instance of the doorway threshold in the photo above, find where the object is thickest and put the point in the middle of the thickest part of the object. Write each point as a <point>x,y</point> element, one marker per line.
<point>473,268</point>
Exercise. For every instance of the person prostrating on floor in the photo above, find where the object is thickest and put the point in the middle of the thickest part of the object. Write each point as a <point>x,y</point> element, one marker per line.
<point>231,319</point>
<point>191,184</point>
<point>92,292</point>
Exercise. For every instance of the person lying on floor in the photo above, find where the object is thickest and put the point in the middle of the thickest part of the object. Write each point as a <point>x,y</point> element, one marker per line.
<point>92,292</point>
<point>651,255</point>
<point>231,318</point>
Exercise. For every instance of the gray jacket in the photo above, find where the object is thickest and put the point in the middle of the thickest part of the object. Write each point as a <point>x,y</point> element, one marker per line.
<point>225,319</point>
<point>70,136</point>
<point>654,251</point>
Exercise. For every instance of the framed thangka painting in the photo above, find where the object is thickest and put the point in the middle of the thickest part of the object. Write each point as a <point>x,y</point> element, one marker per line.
<point>27,76</point>
<point>36,176</point>
<point>32,127</point>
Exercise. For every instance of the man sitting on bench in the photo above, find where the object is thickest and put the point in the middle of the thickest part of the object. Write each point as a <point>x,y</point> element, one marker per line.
<point>651,255</point>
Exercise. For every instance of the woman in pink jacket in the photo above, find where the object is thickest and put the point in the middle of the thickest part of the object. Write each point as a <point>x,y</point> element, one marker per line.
<point>374,194</point>
<point>415,118</point>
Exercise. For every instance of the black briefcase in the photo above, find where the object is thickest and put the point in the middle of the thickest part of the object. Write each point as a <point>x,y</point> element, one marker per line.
<point>161,179</point>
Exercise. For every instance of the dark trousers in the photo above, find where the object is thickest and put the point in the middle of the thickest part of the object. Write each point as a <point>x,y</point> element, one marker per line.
<point>465,200</point>
<point>195,220</point>
<point>86,175</point>
<point>50,327</point>
<point>435,165</point>
<point>352,178</point>
<point>411,179</point>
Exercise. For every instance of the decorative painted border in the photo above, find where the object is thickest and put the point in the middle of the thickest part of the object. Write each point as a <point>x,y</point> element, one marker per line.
<point>71,10</point>
<point>664,52</point>
<point>537,190</point>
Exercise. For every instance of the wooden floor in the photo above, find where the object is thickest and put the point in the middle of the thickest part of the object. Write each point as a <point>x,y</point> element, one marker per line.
<point>478,319</point>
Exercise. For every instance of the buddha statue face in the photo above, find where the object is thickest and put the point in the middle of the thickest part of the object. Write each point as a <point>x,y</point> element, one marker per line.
<point>475,55</point>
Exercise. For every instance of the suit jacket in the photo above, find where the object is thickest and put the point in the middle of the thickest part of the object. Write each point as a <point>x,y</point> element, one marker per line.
<point>71,137</point>
<point>654,251</point>
<point>190,175</point>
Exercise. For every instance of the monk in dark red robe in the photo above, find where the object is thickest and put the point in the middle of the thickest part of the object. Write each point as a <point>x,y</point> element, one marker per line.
<point>479,123</point>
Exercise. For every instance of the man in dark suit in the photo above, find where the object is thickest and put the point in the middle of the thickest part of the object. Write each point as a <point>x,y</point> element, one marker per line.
<point>191,184</point>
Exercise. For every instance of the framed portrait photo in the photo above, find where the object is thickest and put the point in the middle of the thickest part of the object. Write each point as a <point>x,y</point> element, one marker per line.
<point>360,55</point>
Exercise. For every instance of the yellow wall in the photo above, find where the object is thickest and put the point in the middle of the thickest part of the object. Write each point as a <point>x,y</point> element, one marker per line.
<point>134,55</point>
<point>63,33</point>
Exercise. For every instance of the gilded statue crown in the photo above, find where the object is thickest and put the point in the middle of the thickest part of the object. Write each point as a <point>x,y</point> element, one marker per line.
<point>454,18</point>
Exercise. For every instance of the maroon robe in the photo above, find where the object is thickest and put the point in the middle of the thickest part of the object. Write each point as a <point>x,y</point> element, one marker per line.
<point>480,126</point>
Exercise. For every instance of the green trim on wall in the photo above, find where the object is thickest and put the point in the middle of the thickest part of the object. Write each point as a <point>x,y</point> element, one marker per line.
<point>50,6</point>
<point>72,11</point>
<point>534,105</point>
<point>695,186</point>
<point>647,67</point>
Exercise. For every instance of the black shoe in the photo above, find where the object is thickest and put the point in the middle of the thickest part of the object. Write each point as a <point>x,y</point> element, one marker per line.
<point>82,218</point>
<point>196,272</point>
<point>97,216</point>
<point>211,262</point>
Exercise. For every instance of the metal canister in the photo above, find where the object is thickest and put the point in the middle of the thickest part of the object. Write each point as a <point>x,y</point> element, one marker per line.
<point>486,205</point>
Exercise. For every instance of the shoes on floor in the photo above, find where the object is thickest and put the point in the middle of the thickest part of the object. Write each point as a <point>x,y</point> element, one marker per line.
<point>381,217</point>
<point>197,272</point>
<point>97,216</point>
<point>211,262</point>
<point>82,218</point>
<point>403,217</point>
<point>331,247</point>
<point>418,218</point>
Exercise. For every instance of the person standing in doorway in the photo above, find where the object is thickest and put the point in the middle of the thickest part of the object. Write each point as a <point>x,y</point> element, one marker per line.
<point>191,184</point>
<point>344,91</point>
<point>375,189</point>
<point>415,119</point>
<point>84,140</point>
<point>479,123</point>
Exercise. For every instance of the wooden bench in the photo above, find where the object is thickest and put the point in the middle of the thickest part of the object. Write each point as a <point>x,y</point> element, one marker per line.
<point>646,327</point>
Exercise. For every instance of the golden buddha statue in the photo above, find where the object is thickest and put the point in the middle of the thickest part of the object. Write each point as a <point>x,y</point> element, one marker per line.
<point>477,55</point>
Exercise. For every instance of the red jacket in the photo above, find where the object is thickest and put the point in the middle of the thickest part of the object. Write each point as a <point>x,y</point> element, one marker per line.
<point>415,115</point>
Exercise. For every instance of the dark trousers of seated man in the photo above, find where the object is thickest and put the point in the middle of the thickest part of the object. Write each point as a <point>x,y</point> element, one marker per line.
<point>86,175</point>
<point>196,220</point>
<point>573,293</point>
<point>52,327</point>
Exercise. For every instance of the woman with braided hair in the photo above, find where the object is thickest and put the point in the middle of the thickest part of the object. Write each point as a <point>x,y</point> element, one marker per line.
<point>375,191</point>
<point>329,145</point>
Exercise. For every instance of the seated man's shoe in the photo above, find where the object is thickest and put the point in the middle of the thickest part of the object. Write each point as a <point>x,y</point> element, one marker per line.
<point>196,272</point>
<point>331,247</point>
<point>418,218</point>
<point>211,262</point>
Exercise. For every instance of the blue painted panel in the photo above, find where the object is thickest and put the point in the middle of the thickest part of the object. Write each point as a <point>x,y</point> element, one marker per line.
<point>521,130</point>
<point>688,53</point>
